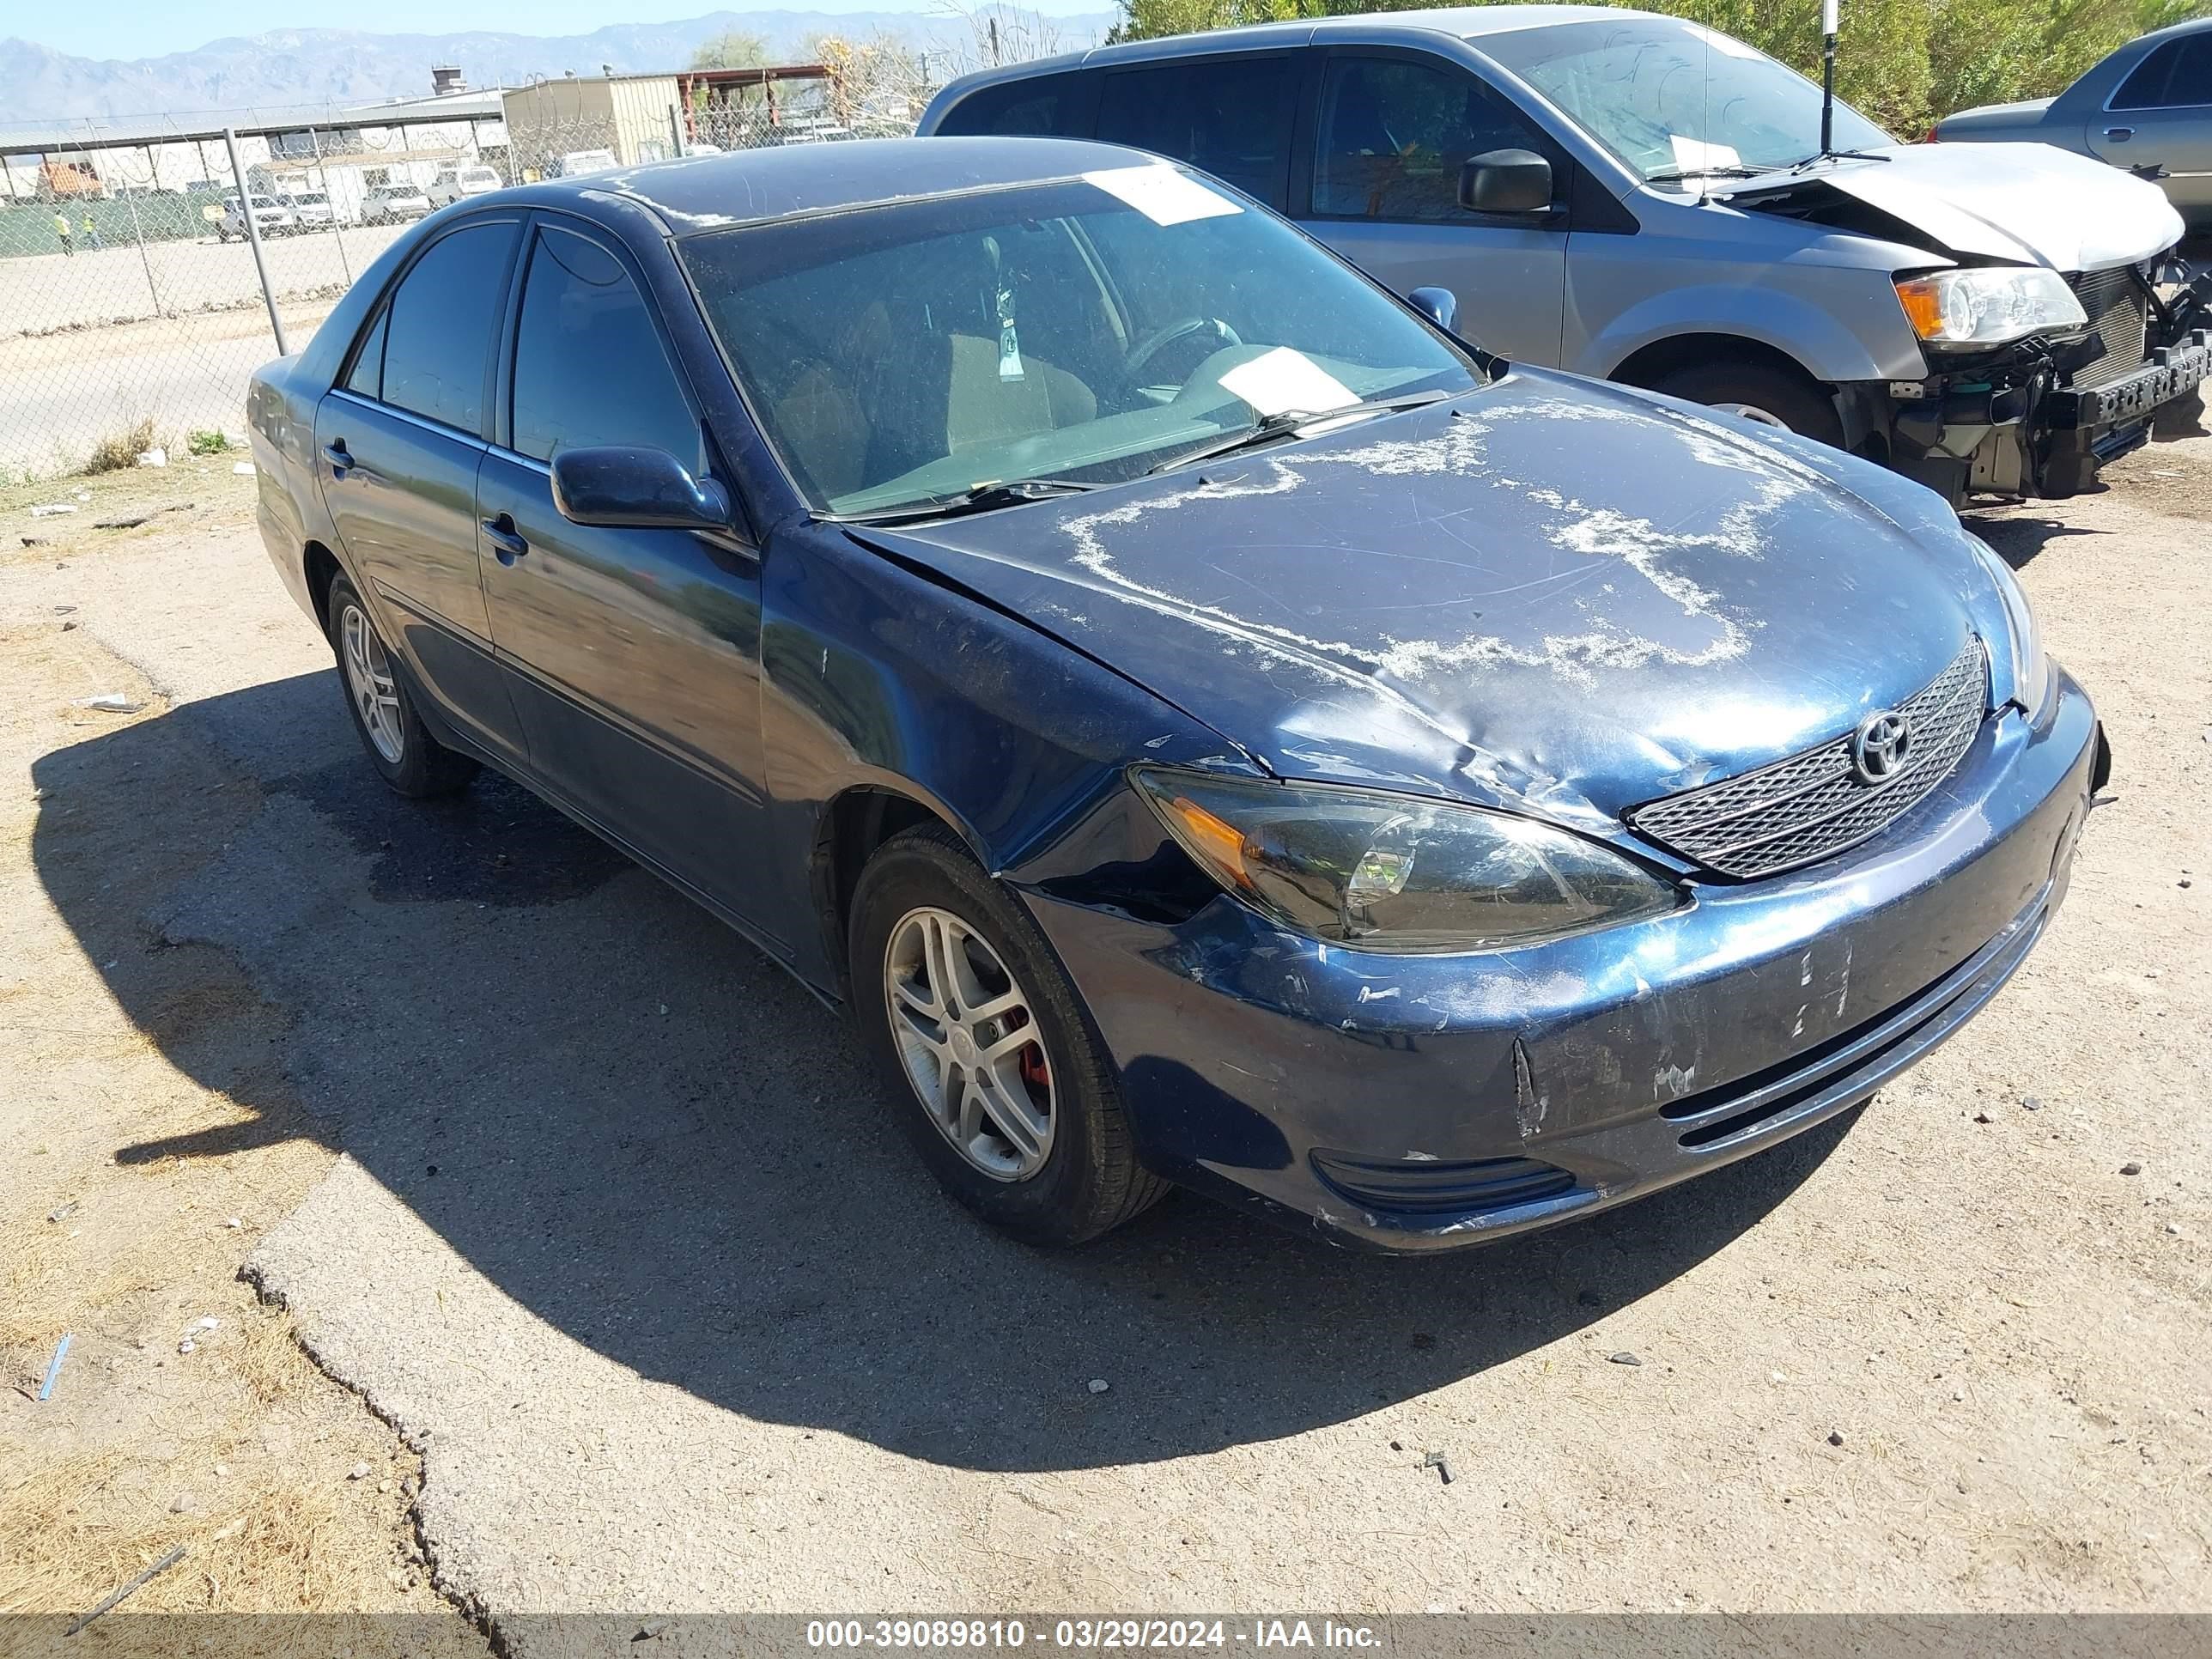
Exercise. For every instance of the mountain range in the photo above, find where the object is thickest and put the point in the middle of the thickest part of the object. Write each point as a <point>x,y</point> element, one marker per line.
<point>347,66</point>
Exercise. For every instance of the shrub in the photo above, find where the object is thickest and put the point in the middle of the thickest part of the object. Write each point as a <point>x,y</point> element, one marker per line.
<point>121,449</point>
<point>209,442</point>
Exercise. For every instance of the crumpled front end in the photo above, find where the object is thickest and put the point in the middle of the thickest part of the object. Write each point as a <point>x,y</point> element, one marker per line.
<point>2039,418</point>
<point>1411,1103</point>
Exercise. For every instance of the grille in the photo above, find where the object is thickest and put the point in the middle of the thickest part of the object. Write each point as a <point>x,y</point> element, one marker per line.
<point>1803,809</point>
<point>2114,303</point>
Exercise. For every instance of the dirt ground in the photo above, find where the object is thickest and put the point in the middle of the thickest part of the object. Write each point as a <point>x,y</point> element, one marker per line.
<point>596,1211</point>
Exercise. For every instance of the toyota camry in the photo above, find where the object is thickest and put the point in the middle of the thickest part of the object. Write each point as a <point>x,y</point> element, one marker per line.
<point>1206,721</point>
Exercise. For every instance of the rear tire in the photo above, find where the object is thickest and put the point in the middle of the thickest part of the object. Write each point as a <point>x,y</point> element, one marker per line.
<point>405,755</point>
<point>926,917</point>
<point>1760,392</point>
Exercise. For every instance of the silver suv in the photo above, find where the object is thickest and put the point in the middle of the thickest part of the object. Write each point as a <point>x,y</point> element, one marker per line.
<point>1643,198</point>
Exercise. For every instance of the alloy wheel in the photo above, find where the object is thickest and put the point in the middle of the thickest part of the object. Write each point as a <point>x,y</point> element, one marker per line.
<point>368,679</point>
<point>969,1040</point>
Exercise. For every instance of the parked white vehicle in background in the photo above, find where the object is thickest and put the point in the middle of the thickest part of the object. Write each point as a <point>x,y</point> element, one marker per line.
<point>578,163</point>
<point>270,217</point>
<point>394,205</point>
<point>311,209</point>
<point>451,184</point>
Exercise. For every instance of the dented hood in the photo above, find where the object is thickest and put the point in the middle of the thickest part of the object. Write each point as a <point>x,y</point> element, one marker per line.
<point>1552,592</point>
<point>2022,204</point>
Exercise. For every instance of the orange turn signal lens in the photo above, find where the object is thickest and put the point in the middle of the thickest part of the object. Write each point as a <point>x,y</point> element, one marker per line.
<point>1924,307</point>
<point>1222,843</point>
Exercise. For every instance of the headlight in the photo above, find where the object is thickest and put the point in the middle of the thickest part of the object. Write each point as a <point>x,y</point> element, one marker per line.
<point>2031,663</point>
<point>1989,305</point>
<point>1389,873</point>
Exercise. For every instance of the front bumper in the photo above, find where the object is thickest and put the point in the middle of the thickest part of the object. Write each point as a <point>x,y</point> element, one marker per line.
<point>2005,429</point>
<point>1418,1103</point>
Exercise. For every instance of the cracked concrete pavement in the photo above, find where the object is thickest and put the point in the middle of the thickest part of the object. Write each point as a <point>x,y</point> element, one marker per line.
<point>622,1241</point>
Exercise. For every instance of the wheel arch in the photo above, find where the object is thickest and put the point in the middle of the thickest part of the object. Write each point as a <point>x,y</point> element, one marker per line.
<point>850,829</point>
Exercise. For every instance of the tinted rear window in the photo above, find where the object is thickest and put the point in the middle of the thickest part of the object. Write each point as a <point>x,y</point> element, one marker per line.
<point>438,336</point>
<point>1230,117</point>
<point>1042,106</point>
<point>2177,75</point>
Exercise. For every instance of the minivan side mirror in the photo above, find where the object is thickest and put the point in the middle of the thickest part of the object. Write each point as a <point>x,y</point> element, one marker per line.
<point>636,489</point>
<point>1439,305</point>
<point>1505,181</point>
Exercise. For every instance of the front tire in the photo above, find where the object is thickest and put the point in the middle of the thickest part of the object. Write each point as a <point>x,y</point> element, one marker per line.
<point>1763,393</point>
<point>405,755</point>
<point>984,1050</point>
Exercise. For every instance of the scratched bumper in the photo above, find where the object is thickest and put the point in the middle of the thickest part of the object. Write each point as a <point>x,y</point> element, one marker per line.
<point>1357,1093</point>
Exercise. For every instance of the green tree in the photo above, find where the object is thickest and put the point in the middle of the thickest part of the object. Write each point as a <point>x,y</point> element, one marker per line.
<point>732,49</point>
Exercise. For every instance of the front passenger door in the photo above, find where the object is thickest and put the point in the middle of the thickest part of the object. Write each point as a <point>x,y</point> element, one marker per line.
<point>634,654</point>
<point>1393,132</point>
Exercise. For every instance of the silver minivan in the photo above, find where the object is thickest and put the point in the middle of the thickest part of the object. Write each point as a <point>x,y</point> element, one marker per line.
<point>1643,198</point>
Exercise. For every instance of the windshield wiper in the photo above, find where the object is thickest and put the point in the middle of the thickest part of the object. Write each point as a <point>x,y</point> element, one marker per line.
<point>1006,492</point>
<point>1290,422</point>
<point>1839,155</point>
<point>1683,175</point>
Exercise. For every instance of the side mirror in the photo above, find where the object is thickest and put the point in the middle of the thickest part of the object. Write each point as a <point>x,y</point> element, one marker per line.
<point>1439,305</point>
<point>1505,181</point>
<point>636,489</point>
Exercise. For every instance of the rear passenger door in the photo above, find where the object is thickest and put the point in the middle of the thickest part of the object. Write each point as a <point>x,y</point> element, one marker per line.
<point>2161,116</point>
<point>1230,116</point>
<point>1393,128</point>
<point>634,654</point>
<point>399,438</point>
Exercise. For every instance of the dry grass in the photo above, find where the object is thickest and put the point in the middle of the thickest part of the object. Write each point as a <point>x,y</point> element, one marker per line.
<point>121,449</point>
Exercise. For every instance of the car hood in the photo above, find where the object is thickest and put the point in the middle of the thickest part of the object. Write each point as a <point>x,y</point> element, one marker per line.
<point>2024,203</point>
<point>1552,592</point>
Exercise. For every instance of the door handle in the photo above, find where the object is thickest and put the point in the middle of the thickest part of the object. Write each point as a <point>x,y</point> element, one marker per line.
<point>335,454</point>
<point>506,544</point>
<point>2119,135</point>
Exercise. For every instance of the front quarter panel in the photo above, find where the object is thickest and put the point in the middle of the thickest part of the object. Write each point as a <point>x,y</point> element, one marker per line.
<point>876,676</point>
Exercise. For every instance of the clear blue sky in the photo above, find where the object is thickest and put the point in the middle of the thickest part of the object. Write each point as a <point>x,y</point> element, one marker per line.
<point>148,28</point>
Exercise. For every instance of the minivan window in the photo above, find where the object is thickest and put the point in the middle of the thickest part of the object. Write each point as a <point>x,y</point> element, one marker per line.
<point>1396,133</point>
<point>2178,76</point>
<point>1230,117</point>
<point>1042,107</point>
<point>1083,330</point>
<point>588,363</point>
<point>1669,97</point>
<point>438,338</point>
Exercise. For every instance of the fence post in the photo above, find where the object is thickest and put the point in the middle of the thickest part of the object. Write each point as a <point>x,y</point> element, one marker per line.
<point>323,178</point>
<point>676,132</point>
<point>253,235</point>
<point>139,233</point>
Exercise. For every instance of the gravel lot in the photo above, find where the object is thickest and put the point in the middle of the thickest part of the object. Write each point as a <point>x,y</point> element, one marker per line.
<point>618,1237</point>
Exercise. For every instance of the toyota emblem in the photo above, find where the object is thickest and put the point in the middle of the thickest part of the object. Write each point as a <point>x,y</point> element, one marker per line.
<point>1880,745</point>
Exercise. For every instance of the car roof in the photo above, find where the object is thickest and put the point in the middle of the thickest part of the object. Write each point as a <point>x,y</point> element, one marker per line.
<point>1455,23</point>
<point>710,192</point>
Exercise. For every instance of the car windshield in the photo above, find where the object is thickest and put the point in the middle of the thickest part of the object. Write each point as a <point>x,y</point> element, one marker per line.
<point>1085,329</point>
<point>1677,101</point>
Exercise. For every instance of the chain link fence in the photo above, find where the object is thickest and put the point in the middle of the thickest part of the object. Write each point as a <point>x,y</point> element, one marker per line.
<point>134,301</point>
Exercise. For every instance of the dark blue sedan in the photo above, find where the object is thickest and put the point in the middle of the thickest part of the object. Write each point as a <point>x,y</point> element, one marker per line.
<point>1208,722</point>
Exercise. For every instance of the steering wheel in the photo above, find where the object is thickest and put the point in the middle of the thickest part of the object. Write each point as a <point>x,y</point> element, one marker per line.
<point>1160,338</point>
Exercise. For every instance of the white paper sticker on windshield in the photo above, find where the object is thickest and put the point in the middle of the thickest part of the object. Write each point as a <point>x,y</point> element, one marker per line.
<point>1283,380</point>
<point>1696,153</point>
<point>1163,195</point>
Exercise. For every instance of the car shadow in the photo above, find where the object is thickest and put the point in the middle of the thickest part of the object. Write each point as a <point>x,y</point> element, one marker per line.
<point>2019,541</point>
<point>630,1122</point>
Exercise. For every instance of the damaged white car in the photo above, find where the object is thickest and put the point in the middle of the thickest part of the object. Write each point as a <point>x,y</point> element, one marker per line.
<point>1646,199</point>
